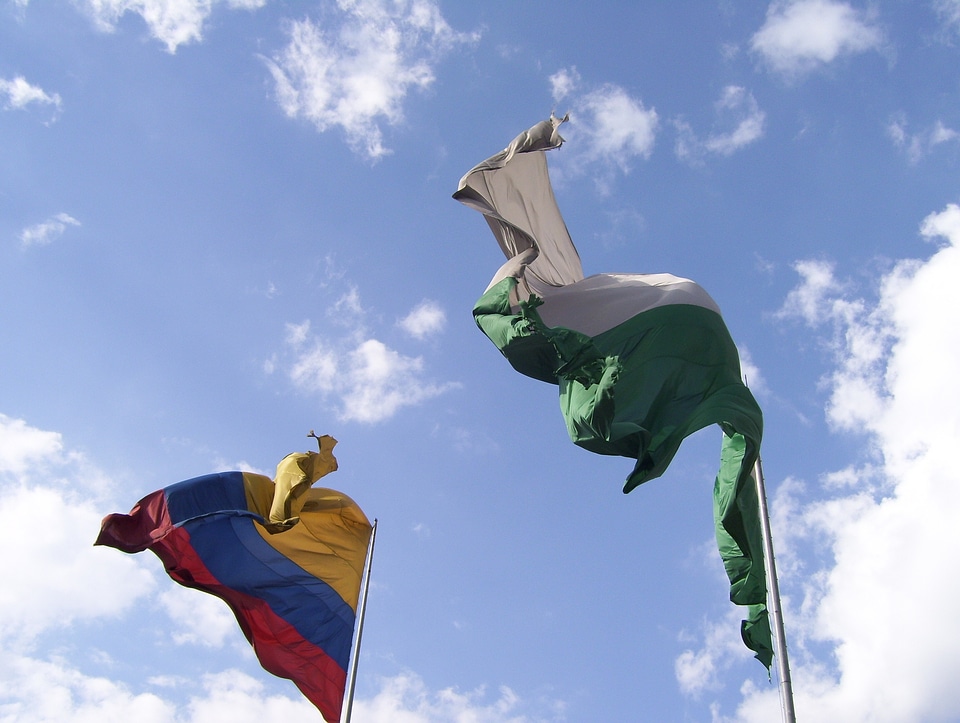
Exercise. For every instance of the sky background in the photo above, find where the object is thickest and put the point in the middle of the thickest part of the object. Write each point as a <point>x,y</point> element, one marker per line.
<point>226,223</point>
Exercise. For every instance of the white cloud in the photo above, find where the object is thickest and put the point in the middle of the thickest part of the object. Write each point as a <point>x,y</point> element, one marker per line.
<point>748,118</point>
<point>355,75</point>
<point>369,380</point>
<point>348,306</point>
<point>873,587</point>
<point>609,129</point>
<point>172,22</point>
<point>48,498</point>
<point>801,35</point>
<point>47,231</point>
<point>381,381</point>
<point>198,618</point>
<point>942,134</point>
<point>36,691</point>
<point>315,369</point>
<point>238,698</point>
<point>699,671</point>
<point>813,299</point>
<point>425,319</point>
<point>920,144</point>
<point>738,113</point>
<point>18,94</point>
<point>861,338</point>
<point>59,576</point>
<point>751,373</point>
<point>22,445</point>
<point>949,13</point>
<point>945,224</point>
<point>695,671</point>
<point>405,699</point>
<point>564,82</point>
<point>619,127</point>
<point>297,334</point>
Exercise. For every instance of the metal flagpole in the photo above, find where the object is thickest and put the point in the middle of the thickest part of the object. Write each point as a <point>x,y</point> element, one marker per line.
<point>352,682</point>
<point>776,614</point>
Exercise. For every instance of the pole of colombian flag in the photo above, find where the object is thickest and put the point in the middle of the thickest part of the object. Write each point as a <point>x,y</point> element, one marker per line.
<point>361,613</point>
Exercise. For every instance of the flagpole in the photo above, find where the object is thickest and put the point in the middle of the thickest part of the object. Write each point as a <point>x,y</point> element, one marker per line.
<point>361,613</point>
<point>776,614</point>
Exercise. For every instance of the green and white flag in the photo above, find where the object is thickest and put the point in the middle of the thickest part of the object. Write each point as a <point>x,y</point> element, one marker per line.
<point>641,360</point>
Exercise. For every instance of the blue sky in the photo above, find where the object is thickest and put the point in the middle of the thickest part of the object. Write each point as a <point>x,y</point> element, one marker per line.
<point>224,224</point>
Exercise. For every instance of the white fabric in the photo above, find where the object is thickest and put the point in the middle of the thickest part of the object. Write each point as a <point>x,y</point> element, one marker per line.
<point>603,301</point>
<point>512,190</point>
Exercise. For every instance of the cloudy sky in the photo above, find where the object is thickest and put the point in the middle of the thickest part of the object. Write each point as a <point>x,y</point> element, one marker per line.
<point>224,223</point>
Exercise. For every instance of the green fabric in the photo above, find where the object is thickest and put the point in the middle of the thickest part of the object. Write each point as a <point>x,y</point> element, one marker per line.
<point>638,390</point>
<point>515,335</point>
<point>737,518</point>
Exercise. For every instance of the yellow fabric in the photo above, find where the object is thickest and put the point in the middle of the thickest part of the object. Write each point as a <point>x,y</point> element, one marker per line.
<point>330,542</point>
<point>321,530</point>
<point>259,490</point>
<point>295,474</point>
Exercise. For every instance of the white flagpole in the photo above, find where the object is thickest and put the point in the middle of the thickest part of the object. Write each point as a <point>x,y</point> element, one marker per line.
<point>776,614</point>
<point>361,612</point>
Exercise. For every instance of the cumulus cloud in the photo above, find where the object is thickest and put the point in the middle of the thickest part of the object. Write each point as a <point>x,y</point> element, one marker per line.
<point>234,696</point>
<point>814,299</point>
<point>699,672</point>
<point>748,121</point>
<point>18,94</point>
<point>52,690</point>
<point>199,619</point>
<point>371,381</point>
<point>740,122</point>
<point>860,339</point>
<point>949,13</point>
<point>870,603</point>
<point>609,129</point>
<point>425,319</point>
<point>172,22</point>
<point>50,497</point>
<point>799,36</point>
<point>22,445</point>
<point>618,126</point>
<point>355,71</point>
<point>368,380</point>
<point>752,374</point>
<point>406,698</point>
<point>41,690</point>
<point>47,231</point>
<point>563,83</point>
<point>920,144</point>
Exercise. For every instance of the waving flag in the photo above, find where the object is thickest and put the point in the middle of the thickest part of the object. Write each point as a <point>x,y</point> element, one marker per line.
<point>287,558</point>
<point>641,360</point>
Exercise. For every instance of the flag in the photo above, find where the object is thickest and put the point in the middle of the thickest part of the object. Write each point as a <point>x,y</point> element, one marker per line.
<point>735,511</point>
<point>641,360</point>
<point>286,557</point>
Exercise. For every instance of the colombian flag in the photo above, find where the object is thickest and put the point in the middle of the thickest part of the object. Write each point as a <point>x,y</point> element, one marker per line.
<point>287,558</point>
